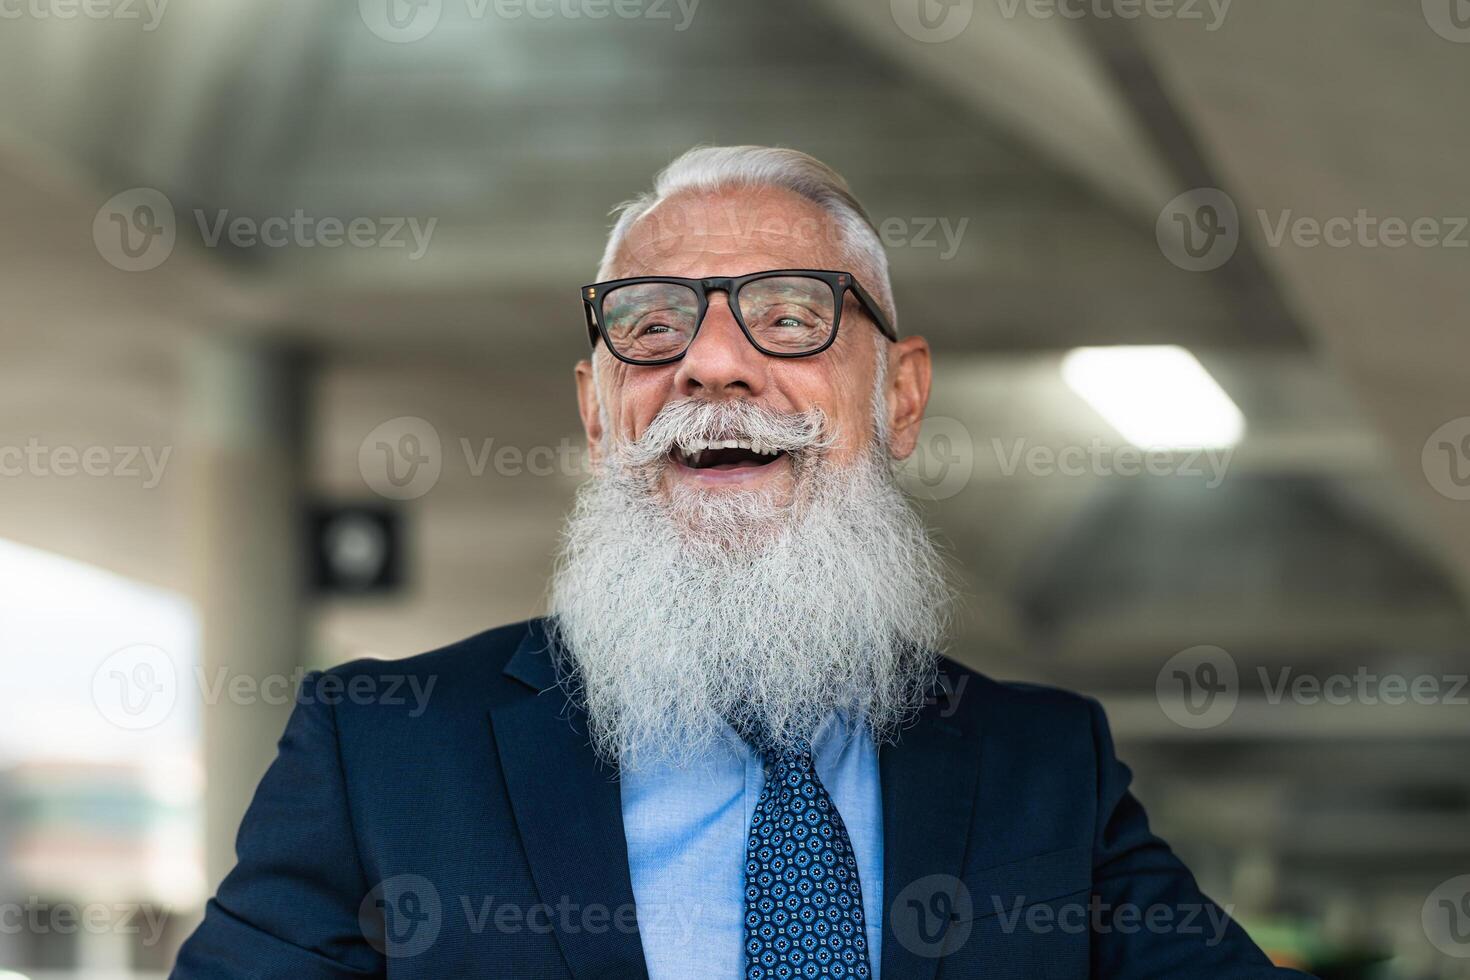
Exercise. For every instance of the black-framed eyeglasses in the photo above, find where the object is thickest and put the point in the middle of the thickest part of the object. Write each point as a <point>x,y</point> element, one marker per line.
<point>649,320</point>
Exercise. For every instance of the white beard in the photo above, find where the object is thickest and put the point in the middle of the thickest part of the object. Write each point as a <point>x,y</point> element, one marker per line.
<point>675,614</point>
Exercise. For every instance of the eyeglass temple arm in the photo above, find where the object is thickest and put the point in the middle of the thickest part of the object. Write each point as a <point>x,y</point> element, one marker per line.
<point>874,310</point>
<point>592,332</point>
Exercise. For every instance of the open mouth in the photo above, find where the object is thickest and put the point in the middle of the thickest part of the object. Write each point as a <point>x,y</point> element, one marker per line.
<point>726,454</point>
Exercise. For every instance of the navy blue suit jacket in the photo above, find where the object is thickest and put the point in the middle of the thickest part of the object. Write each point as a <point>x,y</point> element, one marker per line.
<point>481,838</point>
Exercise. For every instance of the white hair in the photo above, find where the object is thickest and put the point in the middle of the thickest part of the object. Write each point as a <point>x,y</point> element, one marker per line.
<point>708,169</point>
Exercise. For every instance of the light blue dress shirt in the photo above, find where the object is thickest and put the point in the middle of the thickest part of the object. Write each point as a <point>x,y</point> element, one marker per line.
<point>686,829</point>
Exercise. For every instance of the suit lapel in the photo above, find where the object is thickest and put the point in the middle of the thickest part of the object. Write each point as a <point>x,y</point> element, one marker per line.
<point>568,810</point>
<point>929,779</point>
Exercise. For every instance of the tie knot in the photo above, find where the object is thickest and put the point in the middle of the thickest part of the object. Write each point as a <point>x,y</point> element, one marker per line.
<point>776,753</point>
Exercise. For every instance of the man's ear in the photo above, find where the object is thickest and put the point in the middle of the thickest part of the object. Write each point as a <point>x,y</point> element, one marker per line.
<point>909,376</point>
<point>588,407</point>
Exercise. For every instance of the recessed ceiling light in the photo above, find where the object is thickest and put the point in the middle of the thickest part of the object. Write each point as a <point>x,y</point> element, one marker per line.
<point>1156,397</point>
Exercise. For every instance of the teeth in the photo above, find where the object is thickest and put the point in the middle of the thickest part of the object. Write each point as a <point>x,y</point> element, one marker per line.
<point>692,450</point>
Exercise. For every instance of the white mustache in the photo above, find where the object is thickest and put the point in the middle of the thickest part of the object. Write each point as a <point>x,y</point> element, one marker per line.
<point>692,423</point>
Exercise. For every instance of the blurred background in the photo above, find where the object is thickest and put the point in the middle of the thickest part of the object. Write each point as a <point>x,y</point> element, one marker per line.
<point>287,320</point>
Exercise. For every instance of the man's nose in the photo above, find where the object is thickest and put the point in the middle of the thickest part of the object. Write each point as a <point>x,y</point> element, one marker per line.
<point>721,362</point>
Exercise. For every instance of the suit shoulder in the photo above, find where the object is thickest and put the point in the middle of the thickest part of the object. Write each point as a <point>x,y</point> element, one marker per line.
<point>478,658</point>
<point>1017,706</point>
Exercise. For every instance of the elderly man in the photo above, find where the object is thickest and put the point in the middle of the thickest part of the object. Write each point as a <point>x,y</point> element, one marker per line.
<point>733,748</point>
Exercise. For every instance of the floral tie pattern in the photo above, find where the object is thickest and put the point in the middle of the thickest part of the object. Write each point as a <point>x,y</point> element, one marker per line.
<point>803,900</point>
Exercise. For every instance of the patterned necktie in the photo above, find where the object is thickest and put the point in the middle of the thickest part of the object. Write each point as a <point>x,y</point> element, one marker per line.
<point>803,901</point>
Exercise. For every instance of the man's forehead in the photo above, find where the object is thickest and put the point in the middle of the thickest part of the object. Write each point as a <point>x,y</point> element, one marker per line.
<point>762,228</point>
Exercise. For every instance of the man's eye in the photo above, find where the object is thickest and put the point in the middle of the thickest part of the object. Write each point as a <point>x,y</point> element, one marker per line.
<point>789,321</point>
